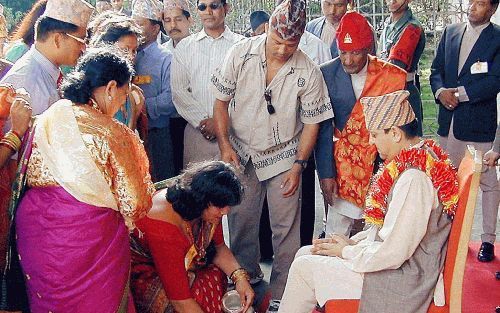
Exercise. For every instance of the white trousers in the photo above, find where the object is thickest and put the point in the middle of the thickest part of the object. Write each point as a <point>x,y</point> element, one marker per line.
<point>316,279</point>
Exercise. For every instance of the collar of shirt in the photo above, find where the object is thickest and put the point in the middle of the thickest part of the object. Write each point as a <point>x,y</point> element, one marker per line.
<point>169,45</point>
<point>399,23</point>
<point>363,70</point>
<point>51,69</point>
<point>476,29</point>
<point>226,34</point>
<point>149,47</point>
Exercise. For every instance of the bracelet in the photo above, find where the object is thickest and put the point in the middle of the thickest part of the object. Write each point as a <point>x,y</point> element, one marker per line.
<point>7,145</point>
<point>13,137</point>
<point>12,141</point>
<point>239,274</point>
<point>16,133</point>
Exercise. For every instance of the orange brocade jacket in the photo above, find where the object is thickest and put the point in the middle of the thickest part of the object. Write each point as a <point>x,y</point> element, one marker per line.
<point>354,156</point>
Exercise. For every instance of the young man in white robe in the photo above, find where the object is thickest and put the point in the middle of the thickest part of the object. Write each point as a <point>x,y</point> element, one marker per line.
<point>395,264</point>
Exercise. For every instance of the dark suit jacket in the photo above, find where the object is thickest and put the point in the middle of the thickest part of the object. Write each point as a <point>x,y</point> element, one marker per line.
<point>343,101</point>
<point>315,27</point>
<point>475,120</point>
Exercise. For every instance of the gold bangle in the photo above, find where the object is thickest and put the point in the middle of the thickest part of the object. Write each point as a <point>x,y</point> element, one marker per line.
<point>239,274</point>
<point>13,137</point>
<point>14,144</point>
<point>8,144</point>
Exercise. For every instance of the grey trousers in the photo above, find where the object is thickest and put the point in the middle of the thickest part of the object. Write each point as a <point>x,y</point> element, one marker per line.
<point>488,183</point>
<point>197,148</point>
<point>284,215</point>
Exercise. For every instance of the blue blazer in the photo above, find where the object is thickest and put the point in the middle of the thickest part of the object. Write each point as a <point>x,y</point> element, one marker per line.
<point>475,120</point>
<point>315,27</point>
<point>343,101</point>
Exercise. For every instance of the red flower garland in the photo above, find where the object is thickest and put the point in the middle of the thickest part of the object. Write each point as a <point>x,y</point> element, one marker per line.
<point>430,159</point>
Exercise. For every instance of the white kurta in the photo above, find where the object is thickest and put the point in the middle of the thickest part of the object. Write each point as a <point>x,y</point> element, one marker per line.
<point>314,278</point>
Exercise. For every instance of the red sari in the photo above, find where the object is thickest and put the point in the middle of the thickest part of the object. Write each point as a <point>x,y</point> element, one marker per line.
<point>7,175</point>
<point>162,269</point>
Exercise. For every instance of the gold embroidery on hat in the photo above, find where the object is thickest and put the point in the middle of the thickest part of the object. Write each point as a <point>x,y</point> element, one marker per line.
<point>347,38</point>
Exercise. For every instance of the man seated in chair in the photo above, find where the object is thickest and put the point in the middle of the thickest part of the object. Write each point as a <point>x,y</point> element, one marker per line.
<point>394,265</point>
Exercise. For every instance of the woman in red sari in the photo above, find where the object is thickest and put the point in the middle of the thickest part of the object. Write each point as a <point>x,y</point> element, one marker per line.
<point>16,106</point>
<point>180,262</point>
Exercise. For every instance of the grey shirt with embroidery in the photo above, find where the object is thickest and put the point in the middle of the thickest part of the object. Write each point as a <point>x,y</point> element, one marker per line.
<point>298,94</point>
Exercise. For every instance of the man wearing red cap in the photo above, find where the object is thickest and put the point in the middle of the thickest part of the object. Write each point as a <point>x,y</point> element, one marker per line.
<point>344,158</point>
<point>277,97</point>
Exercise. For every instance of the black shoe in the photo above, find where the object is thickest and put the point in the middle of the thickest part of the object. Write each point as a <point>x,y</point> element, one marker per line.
<point>486,252</point>
<point>322,235</point>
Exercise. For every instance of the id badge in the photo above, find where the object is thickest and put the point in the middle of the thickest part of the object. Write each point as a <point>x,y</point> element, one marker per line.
<point>479,68</point>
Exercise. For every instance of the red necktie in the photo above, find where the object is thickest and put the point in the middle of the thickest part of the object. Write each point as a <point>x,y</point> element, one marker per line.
<point>59,80</point>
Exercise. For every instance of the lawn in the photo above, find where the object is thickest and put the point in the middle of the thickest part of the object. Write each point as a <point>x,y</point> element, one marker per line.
<point>430,107</point>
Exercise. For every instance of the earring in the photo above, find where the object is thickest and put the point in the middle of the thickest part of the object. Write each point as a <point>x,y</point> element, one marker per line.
<point>110,98</point>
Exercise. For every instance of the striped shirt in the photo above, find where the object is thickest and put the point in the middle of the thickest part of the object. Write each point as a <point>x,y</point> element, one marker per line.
<point>195,59</point>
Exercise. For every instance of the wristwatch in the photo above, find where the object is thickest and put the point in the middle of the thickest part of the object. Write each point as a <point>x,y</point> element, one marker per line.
<point>302,163</point>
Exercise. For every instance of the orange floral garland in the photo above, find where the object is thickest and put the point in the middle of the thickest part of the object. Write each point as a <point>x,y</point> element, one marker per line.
<point>438,168</point>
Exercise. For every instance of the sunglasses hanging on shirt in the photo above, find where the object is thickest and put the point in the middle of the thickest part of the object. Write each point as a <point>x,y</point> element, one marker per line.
<point>213,6</point>
<point>270,108</point>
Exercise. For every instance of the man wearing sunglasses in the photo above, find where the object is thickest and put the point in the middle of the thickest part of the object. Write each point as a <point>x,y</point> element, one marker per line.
<point>60,40</point>
<point>195,58</point>
<point>276,97</point>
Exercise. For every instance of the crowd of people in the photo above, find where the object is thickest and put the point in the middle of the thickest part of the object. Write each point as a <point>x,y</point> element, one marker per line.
<point>128,137</point>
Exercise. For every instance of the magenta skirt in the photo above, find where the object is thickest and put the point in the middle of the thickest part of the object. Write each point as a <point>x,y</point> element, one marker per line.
<point>75,256</point>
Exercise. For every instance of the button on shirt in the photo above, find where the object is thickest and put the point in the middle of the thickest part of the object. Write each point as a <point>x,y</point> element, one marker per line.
<point>298,94</point>
<point>195,59</point>
<point>35,73</point>
<point>154,61</point>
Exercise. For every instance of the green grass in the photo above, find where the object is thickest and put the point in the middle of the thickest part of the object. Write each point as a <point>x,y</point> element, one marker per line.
<point>429,106</point>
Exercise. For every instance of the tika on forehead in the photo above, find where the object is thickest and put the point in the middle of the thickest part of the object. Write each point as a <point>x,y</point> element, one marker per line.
<point>383,112</point>
<point>289,19</point>
<point>76,12</point>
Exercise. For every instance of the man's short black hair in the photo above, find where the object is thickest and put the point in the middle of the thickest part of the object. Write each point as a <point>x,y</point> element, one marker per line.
<point>46,25</point>
<point>410,130</point>
<point>494,2</point>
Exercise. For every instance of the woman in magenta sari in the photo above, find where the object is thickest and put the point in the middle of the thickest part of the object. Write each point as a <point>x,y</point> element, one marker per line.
<point>87,182</point>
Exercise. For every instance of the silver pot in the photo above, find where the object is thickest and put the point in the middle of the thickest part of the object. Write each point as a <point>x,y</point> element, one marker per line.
<point>231,303</point>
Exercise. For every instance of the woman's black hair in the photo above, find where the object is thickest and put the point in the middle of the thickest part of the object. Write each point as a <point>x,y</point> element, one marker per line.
<point>204,184</point>
<point>46,25</point>
<point>96,68</point>
<point>26,28</point>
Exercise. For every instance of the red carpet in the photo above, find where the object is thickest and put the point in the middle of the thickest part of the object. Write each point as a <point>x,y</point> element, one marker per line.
<point>481,291</point>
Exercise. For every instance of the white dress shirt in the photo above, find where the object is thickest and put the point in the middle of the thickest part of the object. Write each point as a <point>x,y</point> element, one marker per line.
<point>358,81</point>
<point>195,59</point>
